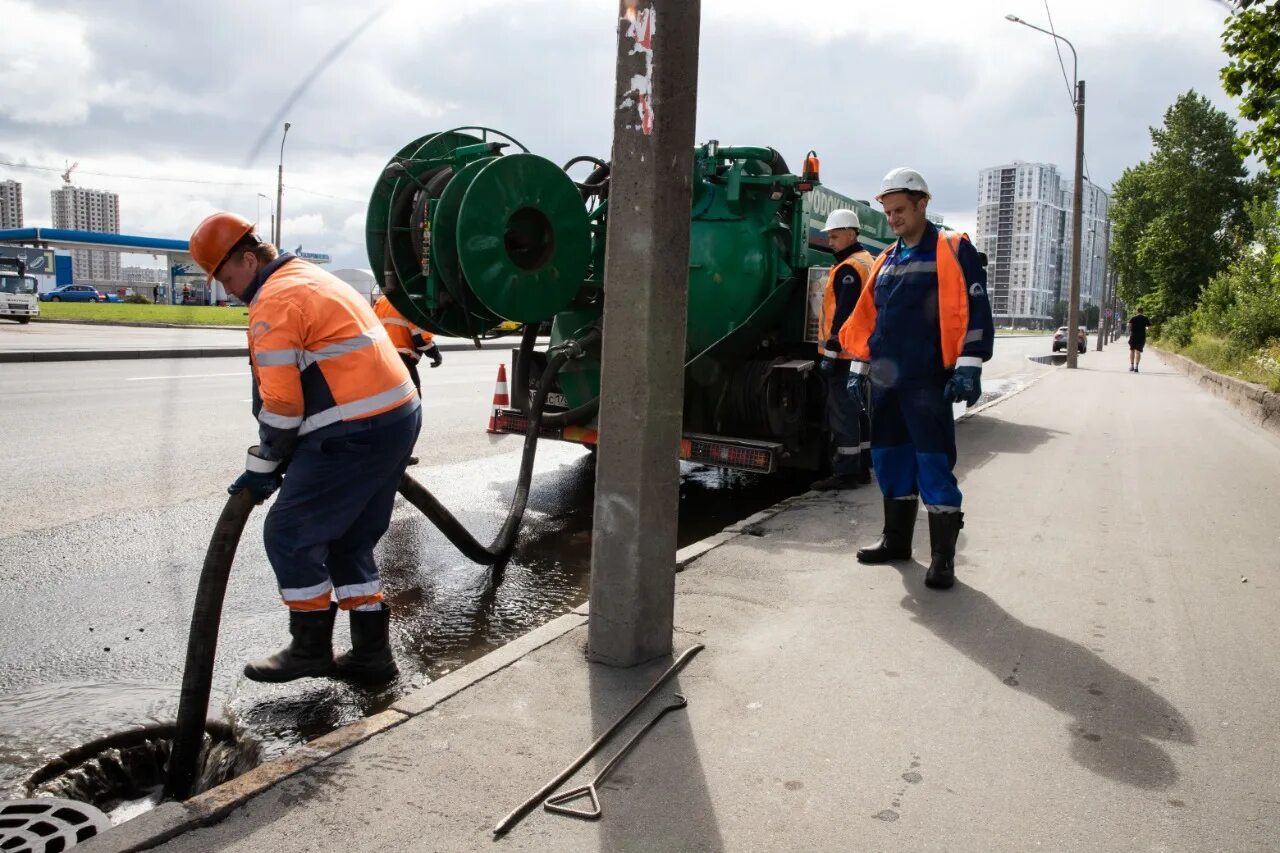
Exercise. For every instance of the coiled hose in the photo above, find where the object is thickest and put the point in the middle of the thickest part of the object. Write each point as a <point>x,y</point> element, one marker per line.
<point>206,616</point>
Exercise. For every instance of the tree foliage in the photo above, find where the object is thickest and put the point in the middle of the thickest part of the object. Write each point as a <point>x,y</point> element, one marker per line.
<point>1177,217</point>
<point>1252,40</point>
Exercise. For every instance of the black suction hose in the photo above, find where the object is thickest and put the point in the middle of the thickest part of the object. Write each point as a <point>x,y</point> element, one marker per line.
<point>500,549</point>
<point>520,387</point>
<point>206,616</point>
<point>202,645</point>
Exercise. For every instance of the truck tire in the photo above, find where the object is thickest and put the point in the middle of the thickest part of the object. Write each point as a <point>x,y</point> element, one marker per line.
<point>22,321</point>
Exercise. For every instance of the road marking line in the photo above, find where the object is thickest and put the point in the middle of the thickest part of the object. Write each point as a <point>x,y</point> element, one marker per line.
<point>185,376</point>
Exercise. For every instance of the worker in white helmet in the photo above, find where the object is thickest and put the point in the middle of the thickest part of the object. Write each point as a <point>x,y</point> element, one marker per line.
<point>845,413</point>
<point>921,330</point>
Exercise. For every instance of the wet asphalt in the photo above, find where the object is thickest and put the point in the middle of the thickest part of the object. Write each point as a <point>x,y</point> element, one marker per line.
<point>112,507</point>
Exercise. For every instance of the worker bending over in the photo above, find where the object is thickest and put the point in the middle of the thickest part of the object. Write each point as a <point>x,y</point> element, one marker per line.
<point>336,406</point>
<point>921,330</point>
<point>847,417</point>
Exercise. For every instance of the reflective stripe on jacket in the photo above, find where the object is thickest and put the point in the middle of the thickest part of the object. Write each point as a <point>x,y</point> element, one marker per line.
<point>409,340</point>
<point>963,339</point>
<point>860,262</point>
<point>320,356</point>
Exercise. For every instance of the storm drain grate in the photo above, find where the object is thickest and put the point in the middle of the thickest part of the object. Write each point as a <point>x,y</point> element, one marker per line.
<point>47,825</point>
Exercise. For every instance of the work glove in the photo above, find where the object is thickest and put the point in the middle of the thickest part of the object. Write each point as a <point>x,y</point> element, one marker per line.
<point>436,358</point>
<point>857,387</point>
<point>827,364</point>
<point>965,384</point>
<point>261,476</point>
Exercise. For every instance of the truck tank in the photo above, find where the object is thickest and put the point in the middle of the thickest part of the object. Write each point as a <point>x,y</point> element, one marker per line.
<point>470,230</point>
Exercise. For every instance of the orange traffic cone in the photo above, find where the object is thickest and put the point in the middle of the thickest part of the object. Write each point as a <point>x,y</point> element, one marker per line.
<point>500,398</point>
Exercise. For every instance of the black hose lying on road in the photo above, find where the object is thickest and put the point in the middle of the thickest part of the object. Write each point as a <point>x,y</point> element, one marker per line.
<point>202,645</point>
<point>499,550</point>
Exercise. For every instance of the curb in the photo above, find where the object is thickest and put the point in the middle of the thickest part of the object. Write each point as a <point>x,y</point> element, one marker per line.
<point>121,354</point>
<point>1255,402</point>
<point>169,820</point>
<point>124,354</point>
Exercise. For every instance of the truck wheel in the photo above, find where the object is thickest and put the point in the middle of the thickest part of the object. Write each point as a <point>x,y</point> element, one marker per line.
<point>22,321</point>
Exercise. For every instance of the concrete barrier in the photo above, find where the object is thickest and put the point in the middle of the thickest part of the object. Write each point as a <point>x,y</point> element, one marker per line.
<point>1256,402</point>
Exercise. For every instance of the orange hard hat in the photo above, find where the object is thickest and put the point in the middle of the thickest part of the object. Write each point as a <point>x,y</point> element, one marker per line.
<point>214,238</point>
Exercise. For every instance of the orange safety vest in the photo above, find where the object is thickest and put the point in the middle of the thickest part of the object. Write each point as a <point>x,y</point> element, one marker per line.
<point>953,306</point>
<point>409,340</point>
<point>305,321</point>
<point>861,262</point>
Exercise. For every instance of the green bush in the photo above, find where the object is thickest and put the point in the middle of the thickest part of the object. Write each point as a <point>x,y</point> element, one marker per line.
<point>137,299</point>
<point>1177,330</point>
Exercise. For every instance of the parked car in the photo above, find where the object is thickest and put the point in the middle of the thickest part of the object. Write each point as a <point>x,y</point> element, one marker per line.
<point>1060,340</point>
<point>72,293</point>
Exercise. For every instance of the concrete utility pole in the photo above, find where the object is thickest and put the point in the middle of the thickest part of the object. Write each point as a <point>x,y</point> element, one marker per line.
<point>1104,320</point>
<point>279,214</point>
<point>1073,305</point>
<point>642,367</point>
<point>1077,201</point>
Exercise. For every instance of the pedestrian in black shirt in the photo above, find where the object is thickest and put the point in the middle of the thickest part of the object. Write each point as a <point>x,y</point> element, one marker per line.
<point>1137,339</point>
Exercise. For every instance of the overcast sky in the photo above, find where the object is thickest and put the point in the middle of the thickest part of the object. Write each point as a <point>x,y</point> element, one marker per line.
<point>183,90</point>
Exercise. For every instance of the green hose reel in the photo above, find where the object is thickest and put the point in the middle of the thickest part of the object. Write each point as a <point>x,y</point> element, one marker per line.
<point>466,237</point>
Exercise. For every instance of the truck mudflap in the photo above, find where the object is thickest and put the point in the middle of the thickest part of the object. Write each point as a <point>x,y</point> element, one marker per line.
<point>740,454</point>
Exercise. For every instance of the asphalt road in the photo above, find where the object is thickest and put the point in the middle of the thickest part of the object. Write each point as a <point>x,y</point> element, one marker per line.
<point>120,468</point>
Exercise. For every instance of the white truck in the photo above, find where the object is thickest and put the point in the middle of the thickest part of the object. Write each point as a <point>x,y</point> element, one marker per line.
<point>18,298</point>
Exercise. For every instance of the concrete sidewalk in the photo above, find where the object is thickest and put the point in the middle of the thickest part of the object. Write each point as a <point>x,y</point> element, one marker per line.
<point>1103,677</point>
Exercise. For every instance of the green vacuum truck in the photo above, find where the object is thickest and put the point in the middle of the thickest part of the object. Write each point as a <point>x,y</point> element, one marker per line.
<point>470,231</point>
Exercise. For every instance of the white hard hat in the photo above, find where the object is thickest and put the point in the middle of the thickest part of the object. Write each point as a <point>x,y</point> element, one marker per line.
<point>841,217</point>
<point>902,179</point>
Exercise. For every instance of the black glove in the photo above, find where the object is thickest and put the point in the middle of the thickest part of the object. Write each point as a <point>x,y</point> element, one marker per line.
<point>434,354</point>
<point>827,361</point>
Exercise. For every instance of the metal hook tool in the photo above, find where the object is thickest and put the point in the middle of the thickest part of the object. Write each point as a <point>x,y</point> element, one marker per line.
<point>558,803</point>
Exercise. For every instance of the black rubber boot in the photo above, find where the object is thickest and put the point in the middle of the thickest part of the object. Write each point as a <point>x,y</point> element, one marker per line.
<point>944,528</point>
<point>370,660</point>
<point>899,528</point>
<point>309,655</point>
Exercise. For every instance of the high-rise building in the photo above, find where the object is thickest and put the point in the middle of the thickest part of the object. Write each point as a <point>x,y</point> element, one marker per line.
<point>89,210</point>
<point>10,204</point>
<point>1024,227</point>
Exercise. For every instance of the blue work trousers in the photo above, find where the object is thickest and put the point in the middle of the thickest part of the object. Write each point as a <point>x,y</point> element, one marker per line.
<point>913,444</point>
<point>850,427</point>
<point>334,505</point>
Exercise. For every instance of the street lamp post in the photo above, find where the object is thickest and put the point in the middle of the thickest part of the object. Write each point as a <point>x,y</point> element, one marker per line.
<point>271,208</point>
<point>279,217</point>
<point>1077,196</point>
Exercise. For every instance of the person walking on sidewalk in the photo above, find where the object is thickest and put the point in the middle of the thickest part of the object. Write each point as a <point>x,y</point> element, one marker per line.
<point>921,331</point>
<point>845,413</point>
<point>1138,324</point>
<point>336,407</point>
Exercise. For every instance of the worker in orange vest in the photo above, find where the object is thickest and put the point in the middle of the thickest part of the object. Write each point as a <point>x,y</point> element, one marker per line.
<point>409,340</point>
<point>845,413</point>
<point>921,330</point>
<point>334,404</point>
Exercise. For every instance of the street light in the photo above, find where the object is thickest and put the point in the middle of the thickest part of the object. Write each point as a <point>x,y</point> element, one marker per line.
<point>270,207</point>
<point>1073,304</point>
<point>280,187</point>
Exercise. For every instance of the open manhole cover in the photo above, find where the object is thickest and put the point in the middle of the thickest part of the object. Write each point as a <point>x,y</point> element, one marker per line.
<point>47,825</point>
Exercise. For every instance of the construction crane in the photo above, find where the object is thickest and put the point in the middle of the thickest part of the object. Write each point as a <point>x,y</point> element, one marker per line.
<point>66,176</point>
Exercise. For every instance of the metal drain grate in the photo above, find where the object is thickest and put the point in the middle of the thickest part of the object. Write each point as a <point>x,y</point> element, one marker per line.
<point>47,825</point>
